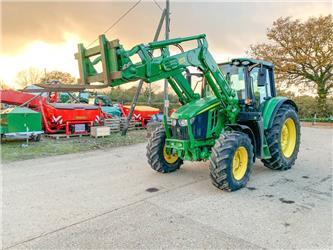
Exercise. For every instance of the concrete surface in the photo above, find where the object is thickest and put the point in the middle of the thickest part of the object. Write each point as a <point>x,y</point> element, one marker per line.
<point>100,200</point>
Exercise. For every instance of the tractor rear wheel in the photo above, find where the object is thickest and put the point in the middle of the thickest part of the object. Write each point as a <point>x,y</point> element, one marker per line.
<point>158,156</point>
<point>231,161</point>
<point>283,139</point>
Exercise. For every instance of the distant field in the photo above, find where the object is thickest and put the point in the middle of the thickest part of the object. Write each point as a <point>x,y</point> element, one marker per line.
<point>14,151</point>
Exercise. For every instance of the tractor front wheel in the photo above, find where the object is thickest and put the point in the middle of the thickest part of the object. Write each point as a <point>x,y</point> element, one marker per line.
<point>231,161</point>
<point>159,158</point>
<point>283,139</point>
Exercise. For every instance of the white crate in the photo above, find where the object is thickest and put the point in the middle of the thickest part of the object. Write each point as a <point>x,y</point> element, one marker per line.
<point>99,131</point>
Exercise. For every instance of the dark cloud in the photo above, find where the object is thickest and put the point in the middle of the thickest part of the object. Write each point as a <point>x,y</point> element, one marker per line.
<point>48,21</point>
<point>230,26</point>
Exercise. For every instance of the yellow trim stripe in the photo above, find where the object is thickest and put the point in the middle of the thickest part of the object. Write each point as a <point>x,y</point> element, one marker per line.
<point>208,108</point>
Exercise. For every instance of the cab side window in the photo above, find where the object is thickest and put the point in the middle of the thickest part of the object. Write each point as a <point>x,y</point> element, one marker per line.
<point>260,92</point>
<point>237,82</point>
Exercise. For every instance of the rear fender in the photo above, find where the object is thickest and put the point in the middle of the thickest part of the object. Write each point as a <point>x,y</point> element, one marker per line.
<point>272,106</point>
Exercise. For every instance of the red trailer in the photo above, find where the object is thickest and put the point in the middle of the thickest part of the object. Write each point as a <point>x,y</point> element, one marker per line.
<point>73,118</point>
<point>141,114</point>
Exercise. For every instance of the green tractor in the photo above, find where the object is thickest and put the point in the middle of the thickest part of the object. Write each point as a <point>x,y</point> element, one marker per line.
<point>235,119</point>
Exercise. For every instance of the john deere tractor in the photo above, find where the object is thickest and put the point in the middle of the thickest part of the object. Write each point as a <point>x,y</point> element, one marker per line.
<point>235,119</point>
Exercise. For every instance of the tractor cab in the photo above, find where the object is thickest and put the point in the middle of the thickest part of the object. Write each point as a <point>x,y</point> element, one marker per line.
<point>252,80</point>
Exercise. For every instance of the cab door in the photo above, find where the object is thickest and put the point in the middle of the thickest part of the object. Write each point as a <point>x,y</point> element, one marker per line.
<point>261,85</point>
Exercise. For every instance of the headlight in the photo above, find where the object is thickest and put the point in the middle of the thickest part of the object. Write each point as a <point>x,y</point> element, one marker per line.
<point>173,122</point>
<point>183,123</point>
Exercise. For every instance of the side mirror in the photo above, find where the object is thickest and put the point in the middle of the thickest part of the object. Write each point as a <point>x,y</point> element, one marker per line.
<point>262,77</point>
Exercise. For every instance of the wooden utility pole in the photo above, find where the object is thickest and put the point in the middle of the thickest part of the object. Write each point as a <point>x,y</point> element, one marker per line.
<point>167,33</point>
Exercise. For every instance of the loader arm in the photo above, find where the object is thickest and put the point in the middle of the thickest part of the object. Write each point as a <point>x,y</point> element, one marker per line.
<point>117,68</point>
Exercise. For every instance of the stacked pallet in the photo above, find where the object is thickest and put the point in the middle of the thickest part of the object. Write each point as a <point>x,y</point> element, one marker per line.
<point>63,136</point>
<point>131,125</point>
<point>117,124</point>
<point>113,124</point>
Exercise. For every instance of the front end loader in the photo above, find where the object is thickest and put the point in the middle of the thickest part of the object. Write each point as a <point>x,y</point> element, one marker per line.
<point>235,119</point>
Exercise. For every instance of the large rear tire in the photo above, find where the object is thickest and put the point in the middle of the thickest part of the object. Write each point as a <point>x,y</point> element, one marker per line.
<point>158,158</point>
<point>283,139</point>
<point>231,161</point>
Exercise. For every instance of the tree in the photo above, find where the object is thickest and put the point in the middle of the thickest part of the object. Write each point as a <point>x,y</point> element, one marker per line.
<point>28,76</point>
<point>62,77</point>
<point>4,85</point>
<point>148,92</point>
<point>302,53</point>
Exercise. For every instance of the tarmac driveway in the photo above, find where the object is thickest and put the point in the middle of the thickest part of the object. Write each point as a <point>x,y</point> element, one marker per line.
<point>112,199</point>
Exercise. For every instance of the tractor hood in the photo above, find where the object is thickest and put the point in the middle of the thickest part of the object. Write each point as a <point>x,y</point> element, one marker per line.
<point>195,107</point>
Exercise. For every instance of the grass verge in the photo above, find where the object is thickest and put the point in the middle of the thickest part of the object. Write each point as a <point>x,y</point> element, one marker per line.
<point>14,151</point>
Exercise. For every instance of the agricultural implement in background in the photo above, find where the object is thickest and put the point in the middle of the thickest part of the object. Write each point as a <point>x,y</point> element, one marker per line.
<point>57,117</point>
<point>234,120</point>
<point>72,118</point>
<point>21,122</point>
<point>141,114</point>
<point>18,98</point>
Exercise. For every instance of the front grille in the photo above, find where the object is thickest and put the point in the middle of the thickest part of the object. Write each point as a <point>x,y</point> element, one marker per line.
<point>199,128</point>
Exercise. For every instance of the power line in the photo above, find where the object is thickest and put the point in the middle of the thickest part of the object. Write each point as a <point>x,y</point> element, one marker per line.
<point>118,20</point>
<point>159,6</point>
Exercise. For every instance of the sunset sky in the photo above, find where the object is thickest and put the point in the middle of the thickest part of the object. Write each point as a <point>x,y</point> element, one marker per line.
<point>45,34</point>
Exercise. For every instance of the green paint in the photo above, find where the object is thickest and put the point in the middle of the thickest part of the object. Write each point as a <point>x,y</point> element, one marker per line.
<point>222,107</point>
<point>20,120</point>
<point>195,107</point>
<point>269,107</point>
<point>112,110</point>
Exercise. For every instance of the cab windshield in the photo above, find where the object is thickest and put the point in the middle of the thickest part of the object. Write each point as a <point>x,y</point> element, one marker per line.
<point>235,77</point>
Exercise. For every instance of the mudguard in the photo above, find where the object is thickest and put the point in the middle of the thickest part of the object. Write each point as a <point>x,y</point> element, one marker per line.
<point>272,106</point>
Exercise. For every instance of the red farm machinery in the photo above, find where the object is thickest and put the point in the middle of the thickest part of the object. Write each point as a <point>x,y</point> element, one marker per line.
<point>70,118</point>
<point>141,114</point>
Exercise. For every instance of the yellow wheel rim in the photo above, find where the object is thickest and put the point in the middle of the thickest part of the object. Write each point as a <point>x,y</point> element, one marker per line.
<point>169,158</point>
<point>239,163</point>
<point>288,137</point>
